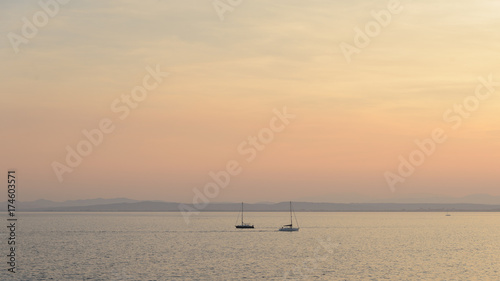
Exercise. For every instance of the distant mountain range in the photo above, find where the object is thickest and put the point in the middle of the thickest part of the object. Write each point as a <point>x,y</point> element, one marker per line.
<point>47,204</point>
<point>406,198</point>
<point>472,203</point>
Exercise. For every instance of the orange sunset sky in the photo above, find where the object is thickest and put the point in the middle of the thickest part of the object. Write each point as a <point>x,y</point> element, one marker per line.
<point>353,119</point>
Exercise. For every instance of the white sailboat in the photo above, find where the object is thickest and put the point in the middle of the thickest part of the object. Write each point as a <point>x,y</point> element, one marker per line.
<point>289,227</point>
<point>243,225</point>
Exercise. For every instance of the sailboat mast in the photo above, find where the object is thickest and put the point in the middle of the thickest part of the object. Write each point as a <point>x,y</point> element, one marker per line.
<point>291,222</point>
<point>241,213</point>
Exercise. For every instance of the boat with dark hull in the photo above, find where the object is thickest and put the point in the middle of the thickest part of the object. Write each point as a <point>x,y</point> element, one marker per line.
<point>243,224</point>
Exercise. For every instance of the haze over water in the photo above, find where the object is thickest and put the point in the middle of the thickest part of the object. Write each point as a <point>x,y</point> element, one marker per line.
<point>329,246</point>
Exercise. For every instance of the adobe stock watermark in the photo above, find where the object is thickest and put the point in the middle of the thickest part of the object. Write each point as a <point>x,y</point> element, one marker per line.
<point>48,10</point>
<point>94,137</point>
<point>362,37</point>
<point>454,116</point>
<point>249,149</point>
<point>311,264</point>
<point>223,6</point>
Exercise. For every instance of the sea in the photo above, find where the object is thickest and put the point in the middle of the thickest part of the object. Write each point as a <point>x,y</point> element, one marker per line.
<point>328,246</point>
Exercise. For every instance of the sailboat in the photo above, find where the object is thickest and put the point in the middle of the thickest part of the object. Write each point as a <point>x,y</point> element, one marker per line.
<point>243,225</point>
<point>289,227</point>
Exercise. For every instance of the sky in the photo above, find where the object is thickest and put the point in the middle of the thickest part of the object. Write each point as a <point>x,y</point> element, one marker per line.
<point>357,95</point>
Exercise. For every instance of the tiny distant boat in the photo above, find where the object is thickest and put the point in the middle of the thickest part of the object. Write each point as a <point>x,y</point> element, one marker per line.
<point>243,225</point>
<point>448,215</point>
<point>289,227</point>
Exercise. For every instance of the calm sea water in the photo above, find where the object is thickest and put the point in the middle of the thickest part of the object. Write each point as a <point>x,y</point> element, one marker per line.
<point>329,246</point>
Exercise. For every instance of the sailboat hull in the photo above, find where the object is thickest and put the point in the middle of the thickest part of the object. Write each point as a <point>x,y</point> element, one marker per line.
<point>244,226</point>
<point>289,229</point>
